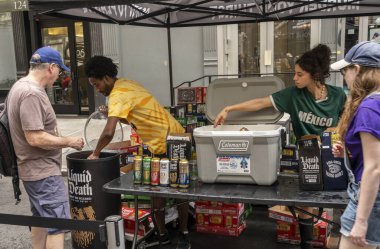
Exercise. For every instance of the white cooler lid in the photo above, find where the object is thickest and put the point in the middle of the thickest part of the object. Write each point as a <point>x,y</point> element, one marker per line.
<point>225,92</point>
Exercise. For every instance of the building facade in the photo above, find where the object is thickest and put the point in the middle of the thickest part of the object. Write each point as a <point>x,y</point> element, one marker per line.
<point>195,54</point>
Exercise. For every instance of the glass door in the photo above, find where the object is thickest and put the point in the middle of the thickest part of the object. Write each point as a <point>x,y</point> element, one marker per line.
<point>69,93</point>
<point>80,58</point>
<point>291,40</point>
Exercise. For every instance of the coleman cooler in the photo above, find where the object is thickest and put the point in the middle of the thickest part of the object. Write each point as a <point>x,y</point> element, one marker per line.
<point>246,149</point>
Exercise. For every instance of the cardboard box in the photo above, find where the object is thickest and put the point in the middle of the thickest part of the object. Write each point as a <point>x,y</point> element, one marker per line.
<point>219,214</point>
<point>221,230</point>
<point>218,204</point>
<point>179,146</point>
<point>125,148</point>
<point>134,137</point>
<point>281,213</point>
<point>289,233</point>
<point>191,109</point>
<point>221,209</point>
<point>201,94</point>
<point>310,164</point>
<point>288,229</point>
<point>289,166</point>
<point>219,220</point>
<point>335,175</point>
<point>128,214</point>
<point>191,95</point>
<point>289,152</point>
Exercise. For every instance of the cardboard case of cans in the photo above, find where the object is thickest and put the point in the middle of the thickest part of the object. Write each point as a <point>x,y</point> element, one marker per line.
<point>128,214</point>
<point>191,95</point>
<point>288,229</point>
<point>220,218</point>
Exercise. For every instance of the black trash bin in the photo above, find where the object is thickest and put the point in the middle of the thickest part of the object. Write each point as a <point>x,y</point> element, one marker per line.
<point>87,199</point>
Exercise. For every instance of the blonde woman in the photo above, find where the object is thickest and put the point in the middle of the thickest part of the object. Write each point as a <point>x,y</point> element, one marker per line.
<point>360,129</point>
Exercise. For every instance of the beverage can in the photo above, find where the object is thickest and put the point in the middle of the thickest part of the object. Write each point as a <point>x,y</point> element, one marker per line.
<point>137,169</point>
<point>184,173</point>
<point>146,170</point>
<point>173,173</point>
<point>228,221</point>
<point>164,172</point>
<point>155,171</point>
<point>193,170</point>
<point>200,219</point>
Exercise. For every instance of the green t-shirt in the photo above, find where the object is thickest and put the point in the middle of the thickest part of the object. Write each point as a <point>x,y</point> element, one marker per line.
<point>310,117</point>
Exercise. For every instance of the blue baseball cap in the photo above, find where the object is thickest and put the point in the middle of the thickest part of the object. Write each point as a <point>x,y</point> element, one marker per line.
<point>48,55</point>
<point>364,54</point>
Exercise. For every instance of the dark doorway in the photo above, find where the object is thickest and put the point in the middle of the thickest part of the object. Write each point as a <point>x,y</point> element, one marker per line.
<point>70,93</point>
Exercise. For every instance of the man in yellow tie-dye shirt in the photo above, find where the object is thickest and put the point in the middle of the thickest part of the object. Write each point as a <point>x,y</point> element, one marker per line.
<point>131,103</point>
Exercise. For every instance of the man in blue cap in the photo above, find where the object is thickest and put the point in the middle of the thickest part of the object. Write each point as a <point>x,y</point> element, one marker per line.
<point>33,128</point>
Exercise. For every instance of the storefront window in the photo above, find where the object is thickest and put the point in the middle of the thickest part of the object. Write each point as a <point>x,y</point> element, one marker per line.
<point>352,32</point>
<point>8,70</point>
<point>374,28</point>
<point>249,47</point>
<point>331,35</point>
<point>291,40</point>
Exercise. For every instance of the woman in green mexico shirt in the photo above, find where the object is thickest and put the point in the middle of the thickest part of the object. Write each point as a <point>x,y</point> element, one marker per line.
<point>312,104</point>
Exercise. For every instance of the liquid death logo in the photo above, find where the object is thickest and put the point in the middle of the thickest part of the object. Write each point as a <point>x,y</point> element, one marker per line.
<point>80,193</point>
<point>79,184</point>
<point>310,163</point>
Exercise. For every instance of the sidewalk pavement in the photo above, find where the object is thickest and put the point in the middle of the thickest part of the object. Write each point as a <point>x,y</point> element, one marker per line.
<point>70,126</point>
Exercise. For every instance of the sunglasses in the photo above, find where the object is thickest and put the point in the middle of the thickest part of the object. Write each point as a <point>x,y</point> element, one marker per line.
<point>344,70</point>
<point>61,71</point>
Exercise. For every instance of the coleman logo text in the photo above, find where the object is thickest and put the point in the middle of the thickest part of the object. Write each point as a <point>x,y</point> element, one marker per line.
<point>233,145</point>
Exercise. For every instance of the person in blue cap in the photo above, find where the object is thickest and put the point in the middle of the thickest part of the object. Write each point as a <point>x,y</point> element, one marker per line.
<point>37,145</point>
<point>359,128</point>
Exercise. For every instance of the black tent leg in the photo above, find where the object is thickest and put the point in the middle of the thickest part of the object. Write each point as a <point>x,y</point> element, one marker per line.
<point>170,65</point>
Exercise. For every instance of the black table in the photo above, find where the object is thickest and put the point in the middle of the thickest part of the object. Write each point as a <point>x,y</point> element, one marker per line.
<point>284,192</point>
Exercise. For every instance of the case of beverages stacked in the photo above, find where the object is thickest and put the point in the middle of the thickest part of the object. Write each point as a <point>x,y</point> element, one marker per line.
<point>128,214</point>
<point>288,229</point>
<point>289,162</point>
<point>333,168</point>
<point>220,218</point>
<point>190,108</point>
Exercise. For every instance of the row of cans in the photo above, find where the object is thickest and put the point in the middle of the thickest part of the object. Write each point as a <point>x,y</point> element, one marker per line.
<point>161,172</point>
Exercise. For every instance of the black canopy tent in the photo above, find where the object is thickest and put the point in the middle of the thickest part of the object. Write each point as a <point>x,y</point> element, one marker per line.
<point>182,13</point>
<point>186,13</point>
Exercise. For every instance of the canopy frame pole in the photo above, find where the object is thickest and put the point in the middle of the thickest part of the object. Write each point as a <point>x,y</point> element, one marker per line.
<point>170,60</point>
<point>104,15</point>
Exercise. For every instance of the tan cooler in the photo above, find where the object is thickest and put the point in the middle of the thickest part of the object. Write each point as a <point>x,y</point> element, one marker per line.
<point>246,149</point>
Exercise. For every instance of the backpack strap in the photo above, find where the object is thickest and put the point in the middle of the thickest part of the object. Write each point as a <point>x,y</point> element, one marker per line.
<point>14,172</point>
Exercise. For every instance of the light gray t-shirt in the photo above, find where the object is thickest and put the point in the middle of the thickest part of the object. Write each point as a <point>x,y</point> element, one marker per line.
<point>29,109</point>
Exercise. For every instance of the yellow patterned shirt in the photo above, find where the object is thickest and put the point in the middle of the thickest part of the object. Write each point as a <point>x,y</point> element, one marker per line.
<point>129,100</point>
